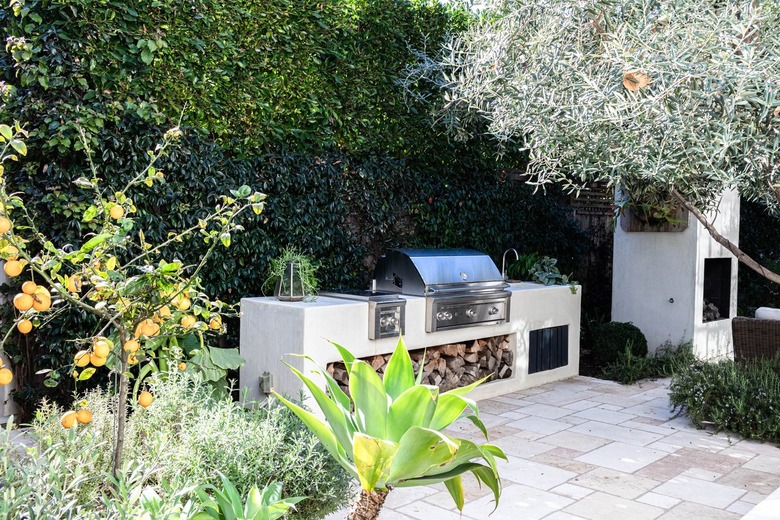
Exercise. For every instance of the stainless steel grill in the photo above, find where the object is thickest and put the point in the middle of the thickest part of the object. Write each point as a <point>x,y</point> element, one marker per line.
<point>462,287</point>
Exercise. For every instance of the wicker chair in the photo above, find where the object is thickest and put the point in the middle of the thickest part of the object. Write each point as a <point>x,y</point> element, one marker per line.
<point>755,338</point>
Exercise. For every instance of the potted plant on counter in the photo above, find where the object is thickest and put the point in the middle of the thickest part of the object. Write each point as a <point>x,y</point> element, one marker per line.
<point>293,275</point>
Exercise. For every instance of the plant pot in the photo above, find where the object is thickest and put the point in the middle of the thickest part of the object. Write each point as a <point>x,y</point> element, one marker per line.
<point>290,287</point>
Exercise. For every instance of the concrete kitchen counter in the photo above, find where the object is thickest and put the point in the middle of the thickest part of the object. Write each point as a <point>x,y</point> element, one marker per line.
<point>272,329</point>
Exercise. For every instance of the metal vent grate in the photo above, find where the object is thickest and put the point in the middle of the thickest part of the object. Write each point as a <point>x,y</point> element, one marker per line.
<point>548,349</point>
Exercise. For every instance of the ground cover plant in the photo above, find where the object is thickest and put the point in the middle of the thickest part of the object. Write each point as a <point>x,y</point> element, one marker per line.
<point>387,432</point>
<point>727,396</point>
<point>187,439</point>
<point>666,361</point>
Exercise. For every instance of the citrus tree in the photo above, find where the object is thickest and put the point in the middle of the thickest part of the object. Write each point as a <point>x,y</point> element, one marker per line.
<point>387,432</point>
<point>674,101</point>
<point>142,301</point>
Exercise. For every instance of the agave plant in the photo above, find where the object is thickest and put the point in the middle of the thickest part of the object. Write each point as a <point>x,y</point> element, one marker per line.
<point>387,433</point>
<point>226,504</point>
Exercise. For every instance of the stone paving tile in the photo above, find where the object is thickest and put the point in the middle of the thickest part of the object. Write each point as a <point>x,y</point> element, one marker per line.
<point>602,415</point>
<point>539,424</point>
<point>572,420</point>
<point>579,441</point>
<point>572,491</point>
<point>751,480</point>
<point>522,447</point>
<point>662,501</point>
<point>495,407</point>
<point>402,496</point>
<point>700,440</point>
<point>765,463</point>
<point>760,448</point>
<point>563,397</point>
<point>691,511</point>
<point>517,502</point>
<point>564,458</point>
<point>584,404</point>
<point>622,457</point>
<point>739,507</point>
<point>700,491</point>
<point>618,483</point>
<point>546,411</point>
<point>616,433</point>
<point>426,511</point>
<point>602,506</point>
<point>647,427</point>
<point>563,515</point>
<point>497,432</point>
<point>533,474</point>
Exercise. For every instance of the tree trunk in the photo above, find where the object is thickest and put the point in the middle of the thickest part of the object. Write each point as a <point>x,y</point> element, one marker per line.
<point>725,242</point>
<point>368,505</point>
<point>121,410</point>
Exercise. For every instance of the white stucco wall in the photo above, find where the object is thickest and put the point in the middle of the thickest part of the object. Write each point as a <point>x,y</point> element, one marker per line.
<point>658,281</point>
<point>271,329</point>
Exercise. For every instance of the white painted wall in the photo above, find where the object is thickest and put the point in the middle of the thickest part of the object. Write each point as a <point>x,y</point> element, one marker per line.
<point>271,329</point>
<point>658,282</point>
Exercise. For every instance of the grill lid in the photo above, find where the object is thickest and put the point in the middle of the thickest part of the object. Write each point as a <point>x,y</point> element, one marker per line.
<point>422,272</point>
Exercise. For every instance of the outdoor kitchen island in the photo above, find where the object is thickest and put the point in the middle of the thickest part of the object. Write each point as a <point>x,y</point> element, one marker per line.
<point>542,330</point>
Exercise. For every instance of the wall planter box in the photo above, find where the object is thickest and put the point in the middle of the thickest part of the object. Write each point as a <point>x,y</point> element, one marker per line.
<point>630,221</point>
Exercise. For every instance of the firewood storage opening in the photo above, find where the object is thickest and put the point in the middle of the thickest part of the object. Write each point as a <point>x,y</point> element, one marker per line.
<point>448,366</point>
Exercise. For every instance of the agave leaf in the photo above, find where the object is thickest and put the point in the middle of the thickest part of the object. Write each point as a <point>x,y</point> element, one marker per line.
<point>333,412</point>
<point>419,450</point>
<point>448,409</point>
<point>323,433</point>
<point>346,356</point>
<point>254,501</point>
<point>399,374</point>
<point>489,475</point>
<point>373,458</point>
<point>414,407</point>
<point>368,394</point>
<point>453,470</point>
<point>479,424</point>
<point>463,390</point>
<point>455,487</point>
<point>336,393</point>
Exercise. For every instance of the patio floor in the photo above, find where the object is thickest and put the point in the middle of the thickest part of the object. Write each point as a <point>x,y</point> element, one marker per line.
<point>586,448</point>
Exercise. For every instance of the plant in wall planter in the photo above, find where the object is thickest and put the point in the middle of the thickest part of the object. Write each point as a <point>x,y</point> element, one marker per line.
<point>293,276</point>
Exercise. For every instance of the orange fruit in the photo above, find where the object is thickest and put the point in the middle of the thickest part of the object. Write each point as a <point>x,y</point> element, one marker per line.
<point>145,398</point>
<point>132,345</point>
<point>97,361</point>
<point>68,419</point>
<point>163,314</point>
<point>13,268</point>
<point>182,366</point>
<point>41,299</point>
<point>84,416</point>
<point>188,321</point>
<point>82,358</point>
<point>116,212</point>
<point>29,287</point>
<point>74,284</point>
<point>215,323</point>
<point>183,303</point>
<point>6,376</point>
<point>5,225</point>
<point>24,326</point>
<point>147,328</point>
<point>132,359</point>
<point>10,252</point>
<point>23,302</point>
<point>101,348</point>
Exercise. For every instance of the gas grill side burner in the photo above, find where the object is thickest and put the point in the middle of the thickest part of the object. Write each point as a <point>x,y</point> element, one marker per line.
<point>386,311</point>
<point>462,287</point>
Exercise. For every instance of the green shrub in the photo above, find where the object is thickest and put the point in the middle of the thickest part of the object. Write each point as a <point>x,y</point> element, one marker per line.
<point>189,437</point>
<point>667,361</point>
<point>744,399</point>
<point>612,339</point>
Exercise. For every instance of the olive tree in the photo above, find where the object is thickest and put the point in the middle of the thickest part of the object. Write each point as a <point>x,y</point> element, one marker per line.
<point>673,101</point>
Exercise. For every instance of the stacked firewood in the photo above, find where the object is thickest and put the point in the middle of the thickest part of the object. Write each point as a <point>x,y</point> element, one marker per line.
<point>448,366</point>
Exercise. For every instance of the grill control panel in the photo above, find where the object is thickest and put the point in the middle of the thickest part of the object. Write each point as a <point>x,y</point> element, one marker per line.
<point>452,313</point>
<point>386,319</point>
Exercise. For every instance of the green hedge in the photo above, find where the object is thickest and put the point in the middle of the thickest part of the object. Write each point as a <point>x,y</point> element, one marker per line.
<point>759,234</point>
<point>293,97</point>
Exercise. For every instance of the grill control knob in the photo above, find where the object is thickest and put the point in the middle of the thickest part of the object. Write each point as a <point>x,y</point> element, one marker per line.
<point>471,313</point>
<point>443,316</point>
<point>493,310</point>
